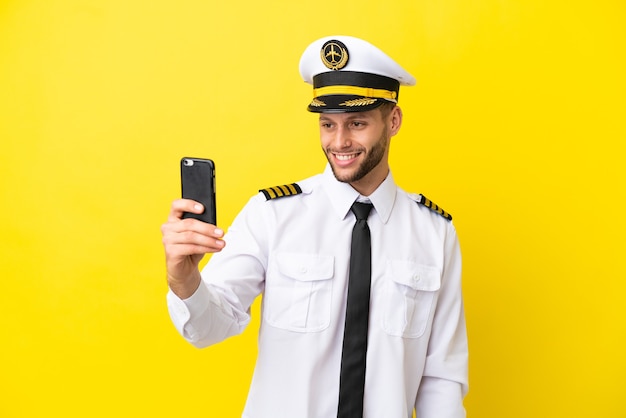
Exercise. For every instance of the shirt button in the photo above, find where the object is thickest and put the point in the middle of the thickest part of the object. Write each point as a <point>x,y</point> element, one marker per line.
<point>302,269</point>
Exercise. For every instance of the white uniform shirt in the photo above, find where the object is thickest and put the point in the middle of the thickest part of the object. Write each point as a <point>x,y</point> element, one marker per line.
<point>295,251</point>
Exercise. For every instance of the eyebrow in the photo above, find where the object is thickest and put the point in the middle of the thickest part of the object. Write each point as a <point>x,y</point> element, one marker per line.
<point>352,116</point>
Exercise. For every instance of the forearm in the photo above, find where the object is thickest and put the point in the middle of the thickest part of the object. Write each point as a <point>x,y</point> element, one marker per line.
<point>445,380</point>
<point>205,318</point>
<point>218,306</point>
<point>184,288</point>
<point>439,398</point>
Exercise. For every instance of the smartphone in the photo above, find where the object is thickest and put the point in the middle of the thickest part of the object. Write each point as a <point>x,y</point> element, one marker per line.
<point>197,177</point>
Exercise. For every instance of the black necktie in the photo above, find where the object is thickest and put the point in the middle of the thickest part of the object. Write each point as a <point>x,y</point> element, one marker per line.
<point>352,378</point>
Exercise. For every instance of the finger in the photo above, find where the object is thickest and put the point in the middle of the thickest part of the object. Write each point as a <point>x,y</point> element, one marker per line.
<point>181,206</point>
<point>192,232</point>
<point>177,251</point>
<point>191,237</point>
<point>194,225</point>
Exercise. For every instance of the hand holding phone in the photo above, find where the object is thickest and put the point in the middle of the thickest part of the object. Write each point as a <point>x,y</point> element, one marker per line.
<point>198,183</point>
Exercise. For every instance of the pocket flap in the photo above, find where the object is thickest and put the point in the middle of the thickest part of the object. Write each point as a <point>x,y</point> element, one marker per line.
<point>416,276</point>
<point>305,267</point>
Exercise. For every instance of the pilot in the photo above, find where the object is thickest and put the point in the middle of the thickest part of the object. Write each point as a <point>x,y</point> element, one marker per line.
<point>362,311</point>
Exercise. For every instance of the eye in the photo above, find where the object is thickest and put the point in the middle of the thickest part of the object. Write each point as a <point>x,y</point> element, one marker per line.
<point>358,124</point>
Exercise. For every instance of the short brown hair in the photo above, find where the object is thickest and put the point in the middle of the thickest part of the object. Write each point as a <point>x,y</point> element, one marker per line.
<point>386,108</point>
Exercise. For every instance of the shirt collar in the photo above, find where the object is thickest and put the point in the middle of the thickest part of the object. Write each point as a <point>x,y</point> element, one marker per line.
<point>342,195</point>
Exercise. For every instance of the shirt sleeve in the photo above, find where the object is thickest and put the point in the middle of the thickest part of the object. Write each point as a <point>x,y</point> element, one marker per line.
<point>445,381</point>
<point>231,280</point>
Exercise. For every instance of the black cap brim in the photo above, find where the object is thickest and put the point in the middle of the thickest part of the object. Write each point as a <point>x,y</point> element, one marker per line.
<point>343,104</point>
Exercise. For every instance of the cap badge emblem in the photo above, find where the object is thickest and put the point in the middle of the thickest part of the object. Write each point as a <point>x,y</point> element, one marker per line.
<point>334,55</point>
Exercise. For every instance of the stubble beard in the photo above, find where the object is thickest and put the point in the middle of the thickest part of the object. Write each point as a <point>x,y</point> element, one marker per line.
<point>372,159</point>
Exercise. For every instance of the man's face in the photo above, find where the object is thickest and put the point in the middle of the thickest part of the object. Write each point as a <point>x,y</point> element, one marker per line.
<point>356,145</point>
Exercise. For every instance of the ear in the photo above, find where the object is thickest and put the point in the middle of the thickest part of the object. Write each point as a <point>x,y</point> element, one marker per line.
<point>395,120</point>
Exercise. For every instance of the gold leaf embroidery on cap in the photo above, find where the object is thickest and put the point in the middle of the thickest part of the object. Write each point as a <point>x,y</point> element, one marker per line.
<point>317,103</point>
<point>358,102</point>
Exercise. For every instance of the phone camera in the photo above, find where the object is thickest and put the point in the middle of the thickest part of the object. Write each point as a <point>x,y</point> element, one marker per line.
<point>187,162</point>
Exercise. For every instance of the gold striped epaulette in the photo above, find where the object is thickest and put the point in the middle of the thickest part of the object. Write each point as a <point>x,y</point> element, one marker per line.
<point>281,191</point>
<point>423,200</point>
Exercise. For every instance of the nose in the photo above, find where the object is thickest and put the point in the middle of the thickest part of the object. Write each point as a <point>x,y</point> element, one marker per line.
<point>342,138</point>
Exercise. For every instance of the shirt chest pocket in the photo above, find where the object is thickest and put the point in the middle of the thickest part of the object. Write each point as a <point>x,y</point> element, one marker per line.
<point>410,292</point>
<point>298,291</point>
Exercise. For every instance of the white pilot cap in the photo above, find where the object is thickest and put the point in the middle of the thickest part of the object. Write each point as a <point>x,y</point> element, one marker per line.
<point>350,75</point>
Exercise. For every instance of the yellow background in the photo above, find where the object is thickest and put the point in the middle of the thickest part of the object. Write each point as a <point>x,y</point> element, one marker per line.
<point>516,127</point>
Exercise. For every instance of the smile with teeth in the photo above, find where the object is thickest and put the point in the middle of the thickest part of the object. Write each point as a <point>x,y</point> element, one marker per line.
<point>346,157</point>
